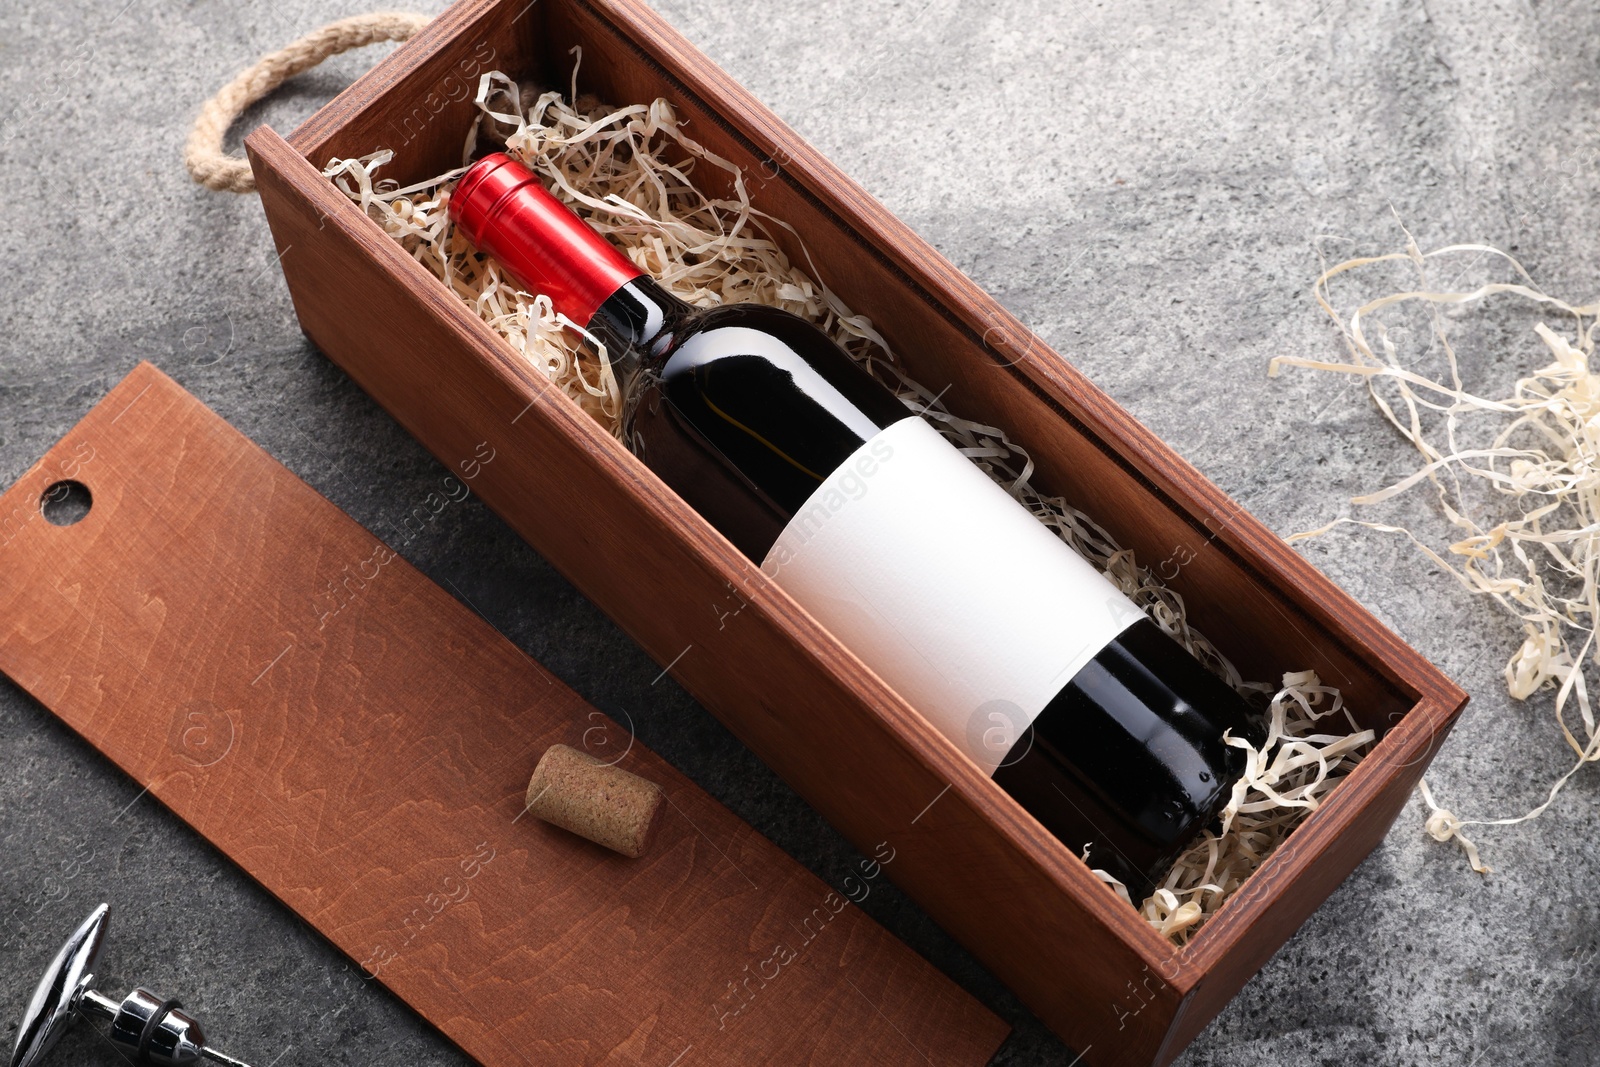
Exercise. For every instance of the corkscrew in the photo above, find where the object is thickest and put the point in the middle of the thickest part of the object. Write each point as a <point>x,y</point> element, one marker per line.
<point>147,1028</point>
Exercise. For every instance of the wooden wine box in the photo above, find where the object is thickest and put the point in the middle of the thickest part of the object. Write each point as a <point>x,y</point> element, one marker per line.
<point>1084,961</point>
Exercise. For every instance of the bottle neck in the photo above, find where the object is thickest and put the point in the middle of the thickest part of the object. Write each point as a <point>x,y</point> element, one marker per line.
<point>503,209</point>
<point>637,323</point>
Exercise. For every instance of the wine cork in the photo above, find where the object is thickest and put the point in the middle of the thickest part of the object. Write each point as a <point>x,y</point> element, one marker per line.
<point>606,804</point>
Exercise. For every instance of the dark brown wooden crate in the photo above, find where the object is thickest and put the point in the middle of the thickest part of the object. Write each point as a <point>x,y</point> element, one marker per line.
<point>978,863</point>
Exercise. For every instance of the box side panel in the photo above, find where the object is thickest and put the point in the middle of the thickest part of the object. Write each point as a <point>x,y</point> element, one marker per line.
<point>869,764</point>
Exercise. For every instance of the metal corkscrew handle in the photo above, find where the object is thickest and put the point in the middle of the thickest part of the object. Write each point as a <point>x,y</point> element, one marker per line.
<point>147,1028</point>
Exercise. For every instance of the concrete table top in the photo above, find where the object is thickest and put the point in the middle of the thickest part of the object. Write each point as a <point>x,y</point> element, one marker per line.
<point>1152,187</point>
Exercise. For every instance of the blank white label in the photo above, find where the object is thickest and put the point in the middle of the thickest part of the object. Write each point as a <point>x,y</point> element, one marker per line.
<point>946,587</point>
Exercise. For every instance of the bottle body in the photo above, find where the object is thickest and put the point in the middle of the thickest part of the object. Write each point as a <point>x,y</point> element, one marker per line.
<point>1012,646</point>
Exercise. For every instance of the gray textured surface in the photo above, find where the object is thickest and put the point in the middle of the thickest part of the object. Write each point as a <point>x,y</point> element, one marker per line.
<point>1143,183</point>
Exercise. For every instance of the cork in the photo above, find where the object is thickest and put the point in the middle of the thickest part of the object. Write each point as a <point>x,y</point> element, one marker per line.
<point>606,804</point>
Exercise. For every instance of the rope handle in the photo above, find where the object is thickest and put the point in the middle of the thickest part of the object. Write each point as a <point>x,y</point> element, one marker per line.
<point>202,153</point>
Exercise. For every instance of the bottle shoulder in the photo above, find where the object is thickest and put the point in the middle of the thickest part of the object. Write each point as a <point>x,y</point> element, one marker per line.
<point>762,353</point>
<point>704,335</point>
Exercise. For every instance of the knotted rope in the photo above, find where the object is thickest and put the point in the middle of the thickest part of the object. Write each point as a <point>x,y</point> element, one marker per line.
<point>203,154</point>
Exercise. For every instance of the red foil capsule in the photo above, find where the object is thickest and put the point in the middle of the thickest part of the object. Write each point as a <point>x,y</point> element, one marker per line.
<point>504,210</point>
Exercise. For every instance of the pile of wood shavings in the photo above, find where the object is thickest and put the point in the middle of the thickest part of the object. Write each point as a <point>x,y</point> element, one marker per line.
<point>1523,495</point>
<point>628,172</point>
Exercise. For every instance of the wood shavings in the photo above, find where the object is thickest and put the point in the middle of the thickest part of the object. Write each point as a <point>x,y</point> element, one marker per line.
<point>629,173</point>
<point>1521,492</point>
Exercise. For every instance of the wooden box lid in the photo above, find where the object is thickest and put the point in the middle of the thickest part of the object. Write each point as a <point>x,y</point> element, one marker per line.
<point>1082,960</point>
<point>359,742</point>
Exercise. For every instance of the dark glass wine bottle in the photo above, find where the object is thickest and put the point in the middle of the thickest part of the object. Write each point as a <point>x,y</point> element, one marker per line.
<point>1025,656</point>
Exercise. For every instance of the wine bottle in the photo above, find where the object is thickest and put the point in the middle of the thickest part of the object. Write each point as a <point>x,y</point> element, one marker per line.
<point>1016,648</point>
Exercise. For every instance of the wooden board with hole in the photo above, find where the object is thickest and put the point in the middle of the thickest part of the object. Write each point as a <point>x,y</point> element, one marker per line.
<point>359,742</point>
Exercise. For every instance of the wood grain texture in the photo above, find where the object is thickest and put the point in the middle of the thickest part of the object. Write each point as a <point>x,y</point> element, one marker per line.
<point>359,742</point>
<point>979,864</point>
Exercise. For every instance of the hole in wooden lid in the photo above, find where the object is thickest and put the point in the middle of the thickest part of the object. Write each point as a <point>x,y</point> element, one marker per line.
<point>65,503</point>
